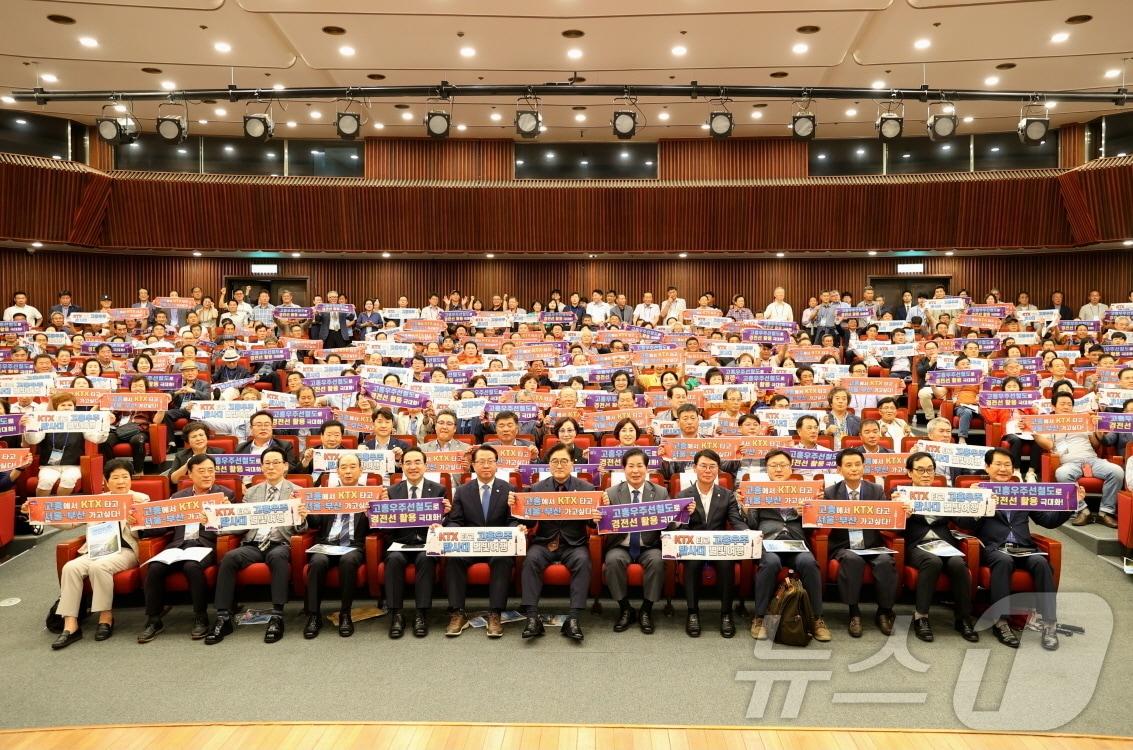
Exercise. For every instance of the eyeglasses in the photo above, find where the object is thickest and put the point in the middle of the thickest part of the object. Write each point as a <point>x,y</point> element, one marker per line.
<point>923,469</point>
<point>273,463</point>
<point>779,465</point>
<point>560,462</point>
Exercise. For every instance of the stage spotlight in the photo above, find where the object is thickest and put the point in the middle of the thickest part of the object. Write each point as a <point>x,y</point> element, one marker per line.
<point>172,129</point>
<point>889,126</point>
<point>258,127</point>
<point>527,123</point>
<point>437,123</point>
<point>720,124</point>
<point>348,125</point>
<point>941,126</point>
<point>625,123</point>
<point>804,126</point>
<point>119,130</point>
<point>1033,130</point>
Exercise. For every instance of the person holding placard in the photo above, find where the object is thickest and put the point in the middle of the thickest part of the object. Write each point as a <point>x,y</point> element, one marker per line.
<point>339,531</point>
<point>564,542</point>
<point>932,549</point>
<point>711,508</point>
<point>192,389</point>
<point>262,438</point>
<point>271,545</point>
<point>383,438</point>
<point>201,470</point>
<point>59,452</point>
<point>783,524</point>
<point>410,543</point>
<point>854,548</point>
<point>115,550</point>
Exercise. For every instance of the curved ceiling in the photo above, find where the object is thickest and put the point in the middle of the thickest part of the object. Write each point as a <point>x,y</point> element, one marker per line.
<point>963,44</point>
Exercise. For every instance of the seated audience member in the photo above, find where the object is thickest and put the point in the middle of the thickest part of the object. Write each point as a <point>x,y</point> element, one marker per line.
<point>60,452</point>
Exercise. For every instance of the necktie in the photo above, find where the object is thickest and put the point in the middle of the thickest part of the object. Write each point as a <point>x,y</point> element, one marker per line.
<point>635,537</point>
<point>412,493</point>
<point>485,499</point>
<point>344,529</point>
<point>857,539</point>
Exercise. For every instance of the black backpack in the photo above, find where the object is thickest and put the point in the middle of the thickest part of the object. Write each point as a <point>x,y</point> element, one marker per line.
<point>790,618</point>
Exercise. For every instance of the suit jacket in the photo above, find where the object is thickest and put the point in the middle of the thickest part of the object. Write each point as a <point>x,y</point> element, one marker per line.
<point>258,493</point>
<point>205,537</point>
<point>323,523</point>
<point>181,457</point>
<point>467,509</point>
<point>771,522</point>
<point>415,534</point>
<point>371,444</point>
<point>621,494</point>
<point>345,325</point>
<point>900,311</point>
<point>840,538</point>
<point>992,530</point>
<point>246,447</point>
<point>724,513</point>
<point>918,526</point>
<point>570,533</point>
<point>70,309</point>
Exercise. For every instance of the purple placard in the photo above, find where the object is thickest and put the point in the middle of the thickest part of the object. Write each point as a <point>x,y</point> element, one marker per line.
<point>759,377</point>
<point>453,317</point>
<point>766,335</point>
<point>327,307</point>
<point>267,355</point>
<point>1030,364</point>
<point>601,374</point>
<point>1028,380</point>
<point>460,377</point>
<point>244,464</point>
<point>284,312</point>
<point>15,326</point>
<point>1068,326</point>
<point>954,378</point>
<point>646,333</point>
<point>389,395</point>
<point>622,518</point>
<point>784,325</point>
<point>610,458</point>
<point>325,386</point>
<point>16,368</point>
<point>1057,496</point>
<point>436,360</point>
<point>1118,350</point>
<point>403,514</point>
<point>117,348</point>
<point>1009,399</point>
<point>1110,421</point>
<point>299,419</point>
<point>998,311</point>
<point>525,412</point>
<point>529,473</point>
<point>606,399</point>
<point>807,459</point>
<point>10,425</point>
<point>652,347</point>
<point>158,381</point>
<point>491,391</point>
<point>861,313</point>
<point>553,318</point>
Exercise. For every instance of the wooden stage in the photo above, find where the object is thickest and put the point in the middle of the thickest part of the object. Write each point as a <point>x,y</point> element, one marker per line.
<point>392,736</point>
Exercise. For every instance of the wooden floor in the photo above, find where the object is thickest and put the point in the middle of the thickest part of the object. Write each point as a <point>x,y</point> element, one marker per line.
<point>389,736</point>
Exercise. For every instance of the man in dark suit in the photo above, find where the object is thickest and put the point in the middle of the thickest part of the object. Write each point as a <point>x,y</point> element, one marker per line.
<point>870,433</point>
<point>712,508</point>
<point>921,529</point>
<point>483,501</point>
<point>783,523</point>
<point>1005,538</point>
<point>643,548</point>
<point>563,542</point>
<point>413,486</point>
<point>340,530</point>
<point>844,544</point>
<point>901,309</point>
<point>65,305</point>
<point>261,428</point>
<point>383,438</point>
<point>202,472</point>
<point>335,329</point>
<point>266,545</point>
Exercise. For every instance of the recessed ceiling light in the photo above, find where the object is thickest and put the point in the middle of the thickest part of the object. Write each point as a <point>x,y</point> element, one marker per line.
<point>800,48</point>
<point>574,53</point>
<point>704,126</point>
<point>519,162</point>
<point>407,115</point>
<point>991,81</point>
<point>316,152</point>
<point>88,41</point>
<point>385,255</point>
<point>778,74</point>
<point>196,253</point>
<point>757,114</point>
<point>220,111</point>
<point>1128,243</point>
<point>334,30</point>
<point>1059,37</point>
<point>468,52</point>
<point>379,126</point>
<point>490,255</point>
<point>679,51</point>
<point>995,149</point>
<point>860,152</point>
<point>270,154</point>
<point>202,122</point>
<point>1113,73</point>
<point>878,84</point>
<point>376,76</point>
<point>296,255</point>
<point>121,108</point>
<point>495,117</point>
<point>229,149</point>
<point>549,155</point>
<point>49,77</point>
<point>922,43</point>
<point>182,151</point>
<point>663,116</point>
<point>950,253</point>
<point>542,128</point>
<point>346,50</point>
<point>316,114</point>
<point>584,163</point>
<point>462,127</point>
<point>61,19</point>
<point>780,255</point>
<point>906,156</point>
<point>37,244</point>
<point>168,85</point>
<point>949,109</point>
<point>278,86</point>
<point>292,124</point>
<point>821,156</point>
<point>969,120</point>
<point>682,255</point>
<point>580,117</point>
<point>7,99</point>
<point>222,47</point>
<point>574,33</point>
<point>625,154</point>
<point>851,112</point>
<point>152,71</point>
<point>872,252</point>
<point>946,147</point>
<point>21,121</point>
<point>649,164</point>
<point>1051,105</point>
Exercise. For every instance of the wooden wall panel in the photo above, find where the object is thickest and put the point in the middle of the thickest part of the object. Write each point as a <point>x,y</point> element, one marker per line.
<point>429,159</point>
<point>732,159</point>
<point>1072,145</point>
<point>90,274</point>
<point>1107,188</point>
<point>100,154</point>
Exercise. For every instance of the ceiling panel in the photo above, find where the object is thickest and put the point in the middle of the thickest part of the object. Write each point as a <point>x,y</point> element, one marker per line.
<point>557,8</point>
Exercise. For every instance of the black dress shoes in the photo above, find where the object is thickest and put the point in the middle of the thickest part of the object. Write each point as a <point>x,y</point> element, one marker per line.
<point>692,625</point>
<point>220,628</point>
<point>533,628</point>
<point>571,629</point>
<point>200,627</point>
<point>104,631</point>
<point>420,625</point>
<point>727,625</point>
<point>66,638</point>
<point>922,629</point>
<point>1050,636</point>
<point>150,631</point>
<point>275,629</point>
<point>967,632</point>
<point>645,621</point>
<point>345,624</point>
<point>627,617</point>
<point>1005,635</point>
<point>313,626</point>
<point>396,624</point>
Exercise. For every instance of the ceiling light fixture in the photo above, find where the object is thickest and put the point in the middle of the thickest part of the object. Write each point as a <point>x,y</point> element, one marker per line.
<point>117,130</point>
<point>890,124</point>
<point>259,126</point>
<point>679,51</point>
<point>1034,123</point>
<point>800,48</point>
<point>720,124</point>
<point>574,53</point>
<point>527,123</point>
<point>88,41</point>
<point>222,47</point>
<point>922,43</point>
<point>346,50</point>
<point>662,116</point>
<point>348,125</point>
<point>941,125</point>
<point>168,85</point>
<point>437,123</point>
<point>468,52</point>
<point>1059,37</point>
<point>991,81</point>
<point>172,129</point>
<point>495,117</point>
<point>624,123</point>
<point>804,125</point>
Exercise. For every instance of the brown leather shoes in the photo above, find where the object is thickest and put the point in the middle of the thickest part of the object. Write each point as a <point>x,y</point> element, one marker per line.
<point>495,625</point>
<point>457,622</point>
<point>1107,520</point>
<point>884,622</point>
<point>1081,518</point>
<point>855,627</point>
<point>821,632</point>
<point>758,632</point>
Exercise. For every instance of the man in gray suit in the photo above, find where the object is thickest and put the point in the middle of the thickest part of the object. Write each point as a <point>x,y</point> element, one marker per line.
<point>643,548</point>
<point>267,545</point>
<point>845,543</point>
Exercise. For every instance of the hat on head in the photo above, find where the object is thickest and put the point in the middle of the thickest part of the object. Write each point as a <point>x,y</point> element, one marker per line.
<point>231,355</point>
<point>104,298</point>
<point>187,363</point>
